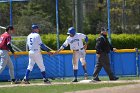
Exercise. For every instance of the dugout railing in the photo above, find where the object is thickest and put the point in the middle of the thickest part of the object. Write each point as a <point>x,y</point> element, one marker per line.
<point>124,62</point>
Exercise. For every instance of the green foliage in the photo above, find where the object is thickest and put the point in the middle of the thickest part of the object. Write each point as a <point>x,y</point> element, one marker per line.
<point>122,41</point>
<point>126,41</point>
<point>43,12</point>
<point>49,40</point>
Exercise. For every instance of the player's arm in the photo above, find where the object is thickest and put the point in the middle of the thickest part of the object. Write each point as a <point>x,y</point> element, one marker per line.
<point>8,40</point>
<point>10,48</point>
<point>86,40</point>
<point>44,48</point>
<point>112,48</point>
<point>61,48</point>
<point>83,36</point>
<point>65,44</point>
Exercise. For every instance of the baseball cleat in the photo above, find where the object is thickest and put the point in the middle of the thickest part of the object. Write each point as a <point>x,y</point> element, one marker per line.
<point>95,79</point>
<point>24,81</point>
<point>115,78</point>
<point>75,80</point>
<point>15,82</point>
<point>85,76</point>
<point>46,81</point>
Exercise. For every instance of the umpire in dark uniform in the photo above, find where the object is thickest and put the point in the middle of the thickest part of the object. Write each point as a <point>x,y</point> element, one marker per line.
<point>103,47</point>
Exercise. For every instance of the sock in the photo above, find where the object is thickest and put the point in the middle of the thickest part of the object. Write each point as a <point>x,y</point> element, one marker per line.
<point>43,74</point>
<point>27,74</point>
<point>85,71</point>
<point>75,74</point>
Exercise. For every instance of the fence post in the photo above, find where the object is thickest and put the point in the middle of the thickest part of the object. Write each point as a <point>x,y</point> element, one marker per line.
<point>137,62</point>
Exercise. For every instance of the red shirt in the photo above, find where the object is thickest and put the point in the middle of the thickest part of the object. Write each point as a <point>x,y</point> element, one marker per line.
<point>5,39</point>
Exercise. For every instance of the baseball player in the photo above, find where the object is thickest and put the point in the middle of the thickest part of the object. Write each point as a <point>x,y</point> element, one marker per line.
<point>5,46</point>
<point>75,40</point>
<point>34,43</point>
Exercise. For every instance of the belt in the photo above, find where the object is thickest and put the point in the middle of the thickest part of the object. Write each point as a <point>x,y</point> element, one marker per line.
<point>33,50</point>
<point>78,49</point>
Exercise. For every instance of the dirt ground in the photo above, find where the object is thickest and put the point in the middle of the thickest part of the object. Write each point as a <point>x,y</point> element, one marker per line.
<point>119,89</point>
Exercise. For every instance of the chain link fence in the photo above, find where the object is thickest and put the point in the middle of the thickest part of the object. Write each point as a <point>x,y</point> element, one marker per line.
<point>19,43</point>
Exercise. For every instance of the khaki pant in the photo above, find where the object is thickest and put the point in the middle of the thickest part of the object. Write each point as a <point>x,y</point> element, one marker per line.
<point>103,61</point>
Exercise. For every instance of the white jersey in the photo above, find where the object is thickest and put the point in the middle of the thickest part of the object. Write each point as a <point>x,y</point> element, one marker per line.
<point>75,42</point>
<point>34,41</point>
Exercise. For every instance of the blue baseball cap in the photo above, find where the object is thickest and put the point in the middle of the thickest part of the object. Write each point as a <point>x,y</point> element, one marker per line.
<point>35,26</point>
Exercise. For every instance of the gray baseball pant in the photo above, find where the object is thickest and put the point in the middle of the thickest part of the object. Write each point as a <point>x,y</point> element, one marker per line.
<point>6,61</point>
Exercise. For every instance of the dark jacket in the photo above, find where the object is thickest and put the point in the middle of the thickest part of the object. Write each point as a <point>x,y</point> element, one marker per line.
<point>103,45</point>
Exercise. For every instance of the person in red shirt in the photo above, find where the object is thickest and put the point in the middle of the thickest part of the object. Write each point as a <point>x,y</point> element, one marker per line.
<point>5,46</point>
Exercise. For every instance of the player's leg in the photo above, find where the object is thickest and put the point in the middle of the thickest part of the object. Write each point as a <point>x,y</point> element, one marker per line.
<point>39,62</point>
<point>11,71</point>
<point>82,55</point>
<point>3,60</point>
<point>106,65</point>
<point>75,60</point>
<point>84,68</point>
<point>97,68</point>
<point>29,69</point>
<point>11,68</point>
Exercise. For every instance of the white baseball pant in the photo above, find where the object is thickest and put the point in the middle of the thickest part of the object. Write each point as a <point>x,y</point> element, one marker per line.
<point>35,57</point>
<point>78,55</point>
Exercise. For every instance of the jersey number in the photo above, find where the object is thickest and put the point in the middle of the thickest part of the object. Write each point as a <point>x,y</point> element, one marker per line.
<point>31,41</point>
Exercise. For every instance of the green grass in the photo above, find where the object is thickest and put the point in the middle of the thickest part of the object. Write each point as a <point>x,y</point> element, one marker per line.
<point>56,88</point>
<point>61,88</point>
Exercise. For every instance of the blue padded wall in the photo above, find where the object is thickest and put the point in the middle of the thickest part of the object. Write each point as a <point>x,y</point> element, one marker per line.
<point>61,65</point>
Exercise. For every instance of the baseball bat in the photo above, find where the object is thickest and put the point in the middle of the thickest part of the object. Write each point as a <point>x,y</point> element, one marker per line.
<point>2,27</point>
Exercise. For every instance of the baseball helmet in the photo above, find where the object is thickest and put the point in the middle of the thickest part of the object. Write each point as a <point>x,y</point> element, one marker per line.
<point>35,26</point>
<point>71,30</point>
<point>9,27</point>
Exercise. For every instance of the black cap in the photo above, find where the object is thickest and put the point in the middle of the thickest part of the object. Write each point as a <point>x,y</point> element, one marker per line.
<point>9,27</point>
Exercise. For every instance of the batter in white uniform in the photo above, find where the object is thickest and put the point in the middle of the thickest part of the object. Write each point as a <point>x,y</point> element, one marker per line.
<point>34,43</point>
<point>75,40</point>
